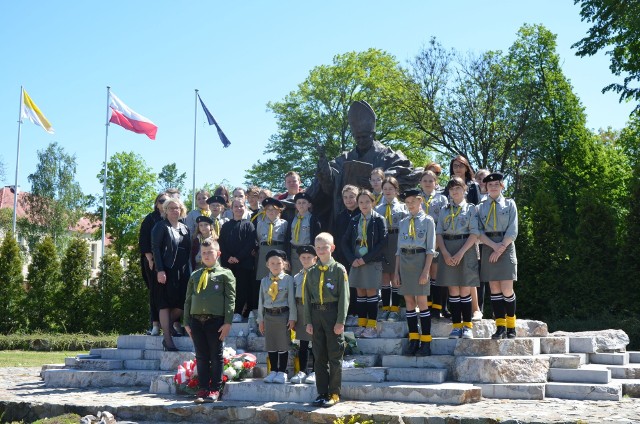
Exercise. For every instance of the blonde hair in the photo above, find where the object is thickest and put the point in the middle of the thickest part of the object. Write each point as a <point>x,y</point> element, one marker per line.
<point>377,171</point>
<point>325,237</point>
<point>351,188</point>
<point>172,200</point>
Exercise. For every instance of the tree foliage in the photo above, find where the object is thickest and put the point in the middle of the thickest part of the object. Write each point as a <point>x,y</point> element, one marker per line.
<point>316,115</point>
<point>130,192</point>
<point>43,283</point>
<point>616,27</point>
<point>76,264</point>
<point>169,177</point>
<point>11,285</point>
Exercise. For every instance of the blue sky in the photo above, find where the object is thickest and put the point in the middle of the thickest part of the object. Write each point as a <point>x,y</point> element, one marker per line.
<point>240,55</point>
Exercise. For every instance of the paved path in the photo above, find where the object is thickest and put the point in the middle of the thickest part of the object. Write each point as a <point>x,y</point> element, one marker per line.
<point>23,396</point>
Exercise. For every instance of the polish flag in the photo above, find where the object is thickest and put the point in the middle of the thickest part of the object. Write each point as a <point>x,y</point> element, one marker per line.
<point>128,119</point>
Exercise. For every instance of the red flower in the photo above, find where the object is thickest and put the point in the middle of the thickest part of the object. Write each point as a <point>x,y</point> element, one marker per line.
<point>193,383</point>
<point>224,378</point>
<point>226,361</point>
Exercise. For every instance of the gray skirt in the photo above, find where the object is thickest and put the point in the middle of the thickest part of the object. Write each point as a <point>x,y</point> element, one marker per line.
<point>296,265</point>
<point>465,274</point>
<point>505,269</point>
<point>261,267</point>
<point>389,261</point>
<point>301,327</point>
<point>276,335</point>
<point>411,267</point>
<point>367,276</point>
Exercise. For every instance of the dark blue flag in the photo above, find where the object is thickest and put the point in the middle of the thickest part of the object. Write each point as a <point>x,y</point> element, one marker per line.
<point>212,121</point>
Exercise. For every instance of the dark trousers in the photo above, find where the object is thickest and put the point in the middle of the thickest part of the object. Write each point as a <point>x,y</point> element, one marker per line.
<point>245,286</point>
<point>149,277</point>
<point>208,348</point>
<point>328,350</point>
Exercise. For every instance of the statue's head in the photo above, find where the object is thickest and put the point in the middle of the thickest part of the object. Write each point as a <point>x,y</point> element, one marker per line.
<point>362,120</point>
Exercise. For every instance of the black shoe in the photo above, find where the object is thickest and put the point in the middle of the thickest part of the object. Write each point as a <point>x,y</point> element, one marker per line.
<point>435,313</point>
<point>446,314</point>
<point>331,400</point>
<point>501,333</point>
<point>412,348</point>
<point>169,348</point>
<point>425,349</point>
<point>320,400</point>
<point>511,333</point>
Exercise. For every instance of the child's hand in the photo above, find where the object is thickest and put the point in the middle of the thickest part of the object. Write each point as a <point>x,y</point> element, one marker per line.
<point>396,279</point>
<point>261,327</point>
<point>162,277</point>
<point>310,329</point>
<point>291,325</point>
<point>188,330</point>
<point>338,328</point>
<point>224,331</point>
<point>424,278</point>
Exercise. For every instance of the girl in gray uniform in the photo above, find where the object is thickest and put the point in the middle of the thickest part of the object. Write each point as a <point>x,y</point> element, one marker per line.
<point>393,211</point>
<point>277,314</point>
<point>270,232</point>
<point>414,254</point>
<point>498,221</point>
<point>457,232</point>
<point>217,206</point>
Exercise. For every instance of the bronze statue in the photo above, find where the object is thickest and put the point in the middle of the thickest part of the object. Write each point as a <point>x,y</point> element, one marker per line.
<point>354,167</point>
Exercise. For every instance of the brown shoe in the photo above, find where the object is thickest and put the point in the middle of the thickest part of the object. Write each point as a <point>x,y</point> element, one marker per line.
<point>331,400</point>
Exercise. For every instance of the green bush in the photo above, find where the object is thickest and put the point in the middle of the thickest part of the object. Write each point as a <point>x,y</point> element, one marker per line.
<point>56,342</point>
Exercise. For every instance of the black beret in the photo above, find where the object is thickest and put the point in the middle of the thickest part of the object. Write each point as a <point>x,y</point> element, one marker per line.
<point>306,249</point>
<point>276,252</point>
<point>271,201</point>
<point>216,199</point>
<point>203,218</point>
<point>302,195</point>
<point>496,176</point>
<point>410,193</point>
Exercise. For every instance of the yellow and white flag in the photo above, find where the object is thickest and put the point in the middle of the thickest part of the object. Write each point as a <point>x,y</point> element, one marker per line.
<point>30,111</point>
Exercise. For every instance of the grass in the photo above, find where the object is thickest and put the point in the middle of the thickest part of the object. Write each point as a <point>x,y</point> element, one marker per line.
<point>56,342</point>
<point>60,419</point>
<point>22,358</point>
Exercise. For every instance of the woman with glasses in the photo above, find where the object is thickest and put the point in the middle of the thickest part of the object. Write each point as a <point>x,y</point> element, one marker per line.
<point>460,167</point>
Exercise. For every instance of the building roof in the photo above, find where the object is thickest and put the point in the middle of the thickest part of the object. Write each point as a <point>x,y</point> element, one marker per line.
<point>7,198</point>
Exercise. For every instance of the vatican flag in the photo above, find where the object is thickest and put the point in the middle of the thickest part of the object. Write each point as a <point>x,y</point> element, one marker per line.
<point>30,111</point>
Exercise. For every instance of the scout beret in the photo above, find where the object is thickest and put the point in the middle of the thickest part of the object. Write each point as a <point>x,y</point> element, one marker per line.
<point>302,195</point>
<point>306,249</point>
<point>410,193</point>
<point>276,252</point>
<point>216,199</point>
<point>203,218</point>
<point>496,176</point>
<point>271,201</point>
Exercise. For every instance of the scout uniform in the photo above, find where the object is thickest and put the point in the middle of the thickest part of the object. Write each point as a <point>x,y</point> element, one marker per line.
<point>326,299</point>
<point>301,231</point>
<point>210,301</point>
<point>196,258</point>
<point>416,240</point>
<point>270,235</point>
<point>432,204</point>
<point>219,220</point>
<point>300,281</point>
<point>497,219</point>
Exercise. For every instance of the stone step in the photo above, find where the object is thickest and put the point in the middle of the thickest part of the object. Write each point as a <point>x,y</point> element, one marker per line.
<point>413,362</point>
<point>523,391</point>
<point>617,358</point>
<point>630,387</point>
<point>94,378</point>
<point>447,393</point>
<point>94,364</point>
<point>554,345</point>
<point>500,369</point>
<point>417,375</point>
<point>634,357</point>
<point>581,375</point>
<point>583,344</point>
<point>581,391</point>
<point>564,361</point>
<point>115,353</point>
<point>456,347</point>
<point>631,371</point>
<point>141,364</point>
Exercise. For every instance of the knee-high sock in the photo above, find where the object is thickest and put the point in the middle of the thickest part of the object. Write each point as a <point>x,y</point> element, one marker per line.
<point>385,294</point>
<point>510,310</point>
<point>497,303</point>
<point>425,326</point>
<point>303,355</point>
<point>412,323</point>
<point>273,360</point>
<point>372,308</point>
<point>454,308</point>
<point>395,299</point>
<point>465,310</point>
<point>436,295</point>
<point>283,358</point>
<point>361,310</point>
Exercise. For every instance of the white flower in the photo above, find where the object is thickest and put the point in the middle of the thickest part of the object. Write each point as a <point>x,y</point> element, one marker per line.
<point>228,352</point>
<point>237,365</point>
<point>230,373</point>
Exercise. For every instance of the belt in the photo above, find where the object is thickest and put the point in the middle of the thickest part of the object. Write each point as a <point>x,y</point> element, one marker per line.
<point>455,237</point>
<point>205,317</point>
<point>325,306</point>
<point>273,243</point>
<point>276,311</point>
<point>393,231</point>
<point>494,233</point>
<point>413,251</point>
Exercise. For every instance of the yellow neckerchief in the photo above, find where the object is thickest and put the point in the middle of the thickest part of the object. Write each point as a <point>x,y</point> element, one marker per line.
<point>427,203</point>
<point>452,216</point>
<point>304,281</point>
<point>363,241</point>
<point>492,208</point>
<point>216,225</point>
<point>322,269</point>
<point>412,227</point>
<point>296,228</point>
<point>204,279</point>
<point>205,212</point>
<point>388,215</point>
<point>270,234</point>
<point>260,214</point>
<point>273,288</point>
<point>377,197</point>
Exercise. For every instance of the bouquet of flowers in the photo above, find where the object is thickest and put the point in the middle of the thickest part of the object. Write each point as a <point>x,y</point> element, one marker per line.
<point>237,366</point>
<point>186,379</point>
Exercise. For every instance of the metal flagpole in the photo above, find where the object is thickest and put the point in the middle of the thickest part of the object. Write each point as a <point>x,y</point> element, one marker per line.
<point>104,185</point>
<point>15,187</point>
<point>195,137</point>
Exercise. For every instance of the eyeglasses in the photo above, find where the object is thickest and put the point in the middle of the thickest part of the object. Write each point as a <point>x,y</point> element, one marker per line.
<point>458,165</point>
<point>176,208</point>
<point>161,201</point>
<point>437,173</point>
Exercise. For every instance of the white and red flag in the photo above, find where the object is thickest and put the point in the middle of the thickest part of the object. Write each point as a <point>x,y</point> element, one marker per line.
<point>129,119</point>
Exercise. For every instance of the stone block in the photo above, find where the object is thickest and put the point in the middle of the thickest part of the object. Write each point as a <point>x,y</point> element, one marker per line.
<point>364,375</point>
<point>162,385</point>
<point>255,344</point>
<point>433,361</point>
<point>581,375</point>
<point>239,329</point>
<point>364,360</point>
<point>501,369</point>
<point>379,346</point>
<point>133,341</point>
<point>98,364</point>
<point>169,361</point>
<point>577,391</point>
<point>584,357</point>
<point>563,361</point>
<point>554,345</point>
<point>152,354</point>
<point>446,393</point>
<point>605,340</point>
<point>625,371</point>
<point>523,391</point>
<point>50,367</point>
<point>609,358</point>
<point>91,378</point>
<point>634,357</point>
<point>252,390</point>
<point>122,353</point>
<point>417,375</point>
<point>630,387</point>
<point>141,364</point>
<point>442,346</point>
<point>70,361</point>
<point>488,347</point>
<point>582,344</point>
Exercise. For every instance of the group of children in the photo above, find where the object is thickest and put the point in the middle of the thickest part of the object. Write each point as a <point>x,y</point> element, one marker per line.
<point>389,242</point>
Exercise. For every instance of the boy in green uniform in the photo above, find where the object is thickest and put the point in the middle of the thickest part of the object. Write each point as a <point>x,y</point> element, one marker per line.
<point>208,312</point>
<point>326,300</point>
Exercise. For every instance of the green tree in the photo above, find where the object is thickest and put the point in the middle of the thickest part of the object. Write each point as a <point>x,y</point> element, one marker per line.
<point>76,264</point>
<point>315,115</point>
<point>169,177</point>
<point>107,294</point>
<point>616,27</point>
<point>130,192</point>
<point>133,314</point>
<point>6,220</point>
<point>43,282</point>
<point>55,203</point>
<point>11,285</point>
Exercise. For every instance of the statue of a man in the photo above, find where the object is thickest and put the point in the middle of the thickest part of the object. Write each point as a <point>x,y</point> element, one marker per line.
<point>354,167</point>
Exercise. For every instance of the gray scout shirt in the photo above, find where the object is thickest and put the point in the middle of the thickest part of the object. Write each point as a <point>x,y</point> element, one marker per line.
<point>458,219</point>
<point>398,211</point>
<point>304,237</point>
<point>505,218</point>
<point>425,234</point>
<point>279,230</point>
<point>284,298</point>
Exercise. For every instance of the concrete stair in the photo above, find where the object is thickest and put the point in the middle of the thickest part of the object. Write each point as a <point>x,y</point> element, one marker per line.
<point>533,366</point>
